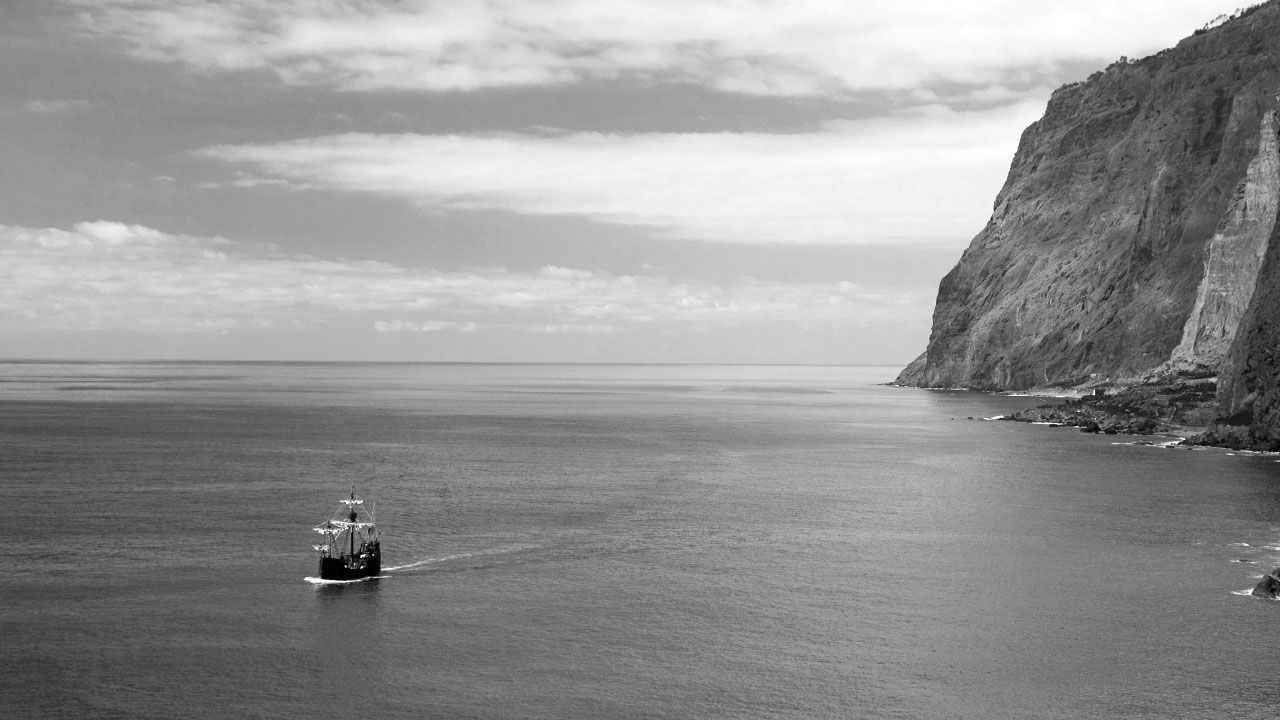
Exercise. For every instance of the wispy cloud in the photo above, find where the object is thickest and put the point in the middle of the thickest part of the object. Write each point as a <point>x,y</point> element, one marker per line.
<point>107,276</point>
<point>928,176</point>
<point>762,47</point>
<point>53,107</point>
<point>423,326</point>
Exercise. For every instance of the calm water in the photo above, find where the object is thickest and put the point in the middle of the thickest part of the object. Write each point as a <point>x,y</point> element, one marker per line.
<point>613,542</point>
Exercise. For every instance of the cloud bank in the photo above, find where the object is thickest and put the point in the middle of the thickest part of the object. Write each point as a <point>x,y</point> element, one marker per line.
<point>107,276</point>
<point>925,177</point>
<point>759,47</point>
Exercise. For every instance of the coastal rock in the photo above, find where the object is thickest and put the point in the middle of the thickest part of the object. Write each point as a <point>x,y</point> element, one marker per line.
<point>1134,232</point>
<point>1135,410</point>
<point>1269,586</point>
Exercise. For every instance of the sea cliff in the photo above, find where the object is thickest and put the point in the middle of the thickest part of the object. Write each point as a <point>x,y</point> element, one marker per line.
<point>1134,241</point>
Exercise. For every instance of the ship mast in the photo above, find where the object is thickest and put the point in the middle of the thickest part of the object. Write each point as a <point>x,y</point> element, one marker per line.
<point>352,517</point>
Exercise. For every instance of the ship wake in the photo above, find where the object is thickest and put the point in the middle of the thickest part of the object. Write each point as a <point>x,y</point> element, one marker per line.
<point>321,581</point>
<point>505,550</point>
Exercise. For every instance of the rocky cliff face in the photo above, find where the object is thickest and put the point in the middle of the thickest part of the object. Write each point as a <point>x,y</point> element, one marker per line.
<point>1233,260</point>
<point>1249,379</point>
<point>1134,229</point>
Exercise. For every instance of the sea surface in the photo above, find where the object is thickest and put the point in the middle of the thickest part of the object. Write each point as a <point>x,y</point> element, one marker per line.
<point>579,541</point>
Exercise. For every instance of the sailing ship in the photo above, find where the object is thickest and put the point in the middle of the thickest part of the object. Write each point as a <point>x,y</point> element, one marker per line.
<point>350,550</point>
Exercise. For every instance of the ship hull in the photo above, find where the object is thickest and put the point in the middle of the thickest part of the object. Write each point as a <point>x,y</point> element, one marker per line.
<point>351,567</point>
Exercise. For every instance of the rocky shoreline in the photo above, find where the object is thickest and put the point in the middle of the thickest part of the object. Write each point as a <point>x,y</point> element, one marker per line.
<point>1184,407</point>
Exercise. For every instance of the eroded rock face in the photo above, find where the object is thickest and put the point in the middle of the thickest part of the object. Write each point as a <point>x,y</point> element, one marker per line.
<point>1234,258</point>
<point>1134,181</point>
<point>1249,380</point>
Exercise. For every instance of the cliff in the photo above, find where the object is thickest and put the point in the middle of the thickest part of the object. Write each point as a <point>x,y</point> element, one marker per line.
<point>1134,234</point>
<point>1249,379</point>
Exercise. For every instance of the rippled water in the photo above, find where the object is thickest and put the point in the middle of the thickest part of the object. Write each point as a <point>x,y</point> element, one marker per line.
<point>614,541</point>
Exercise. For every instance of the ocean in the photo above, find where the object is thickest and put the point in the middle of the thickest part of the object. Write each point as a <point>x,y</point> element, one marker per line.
<point>614,541</point>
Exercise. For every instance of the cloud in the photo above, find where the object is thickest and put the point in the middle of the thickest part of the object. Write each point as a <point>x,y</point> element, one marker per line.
<point>759,47</point>
<point>572,328</point>
<point>53,107</point>
<point>423,326</point>
<point>927,176</point>
<point>246,182</point>
<point>109,276</point>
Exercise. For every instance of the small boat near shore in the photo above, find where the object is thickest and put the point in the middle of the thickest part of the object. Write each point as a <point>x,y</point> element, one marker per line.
<point>351,548</point>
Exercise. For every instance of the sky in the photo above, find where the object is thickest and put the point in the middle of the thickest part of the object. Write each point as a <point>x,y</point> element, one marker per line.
<point>679,181</point>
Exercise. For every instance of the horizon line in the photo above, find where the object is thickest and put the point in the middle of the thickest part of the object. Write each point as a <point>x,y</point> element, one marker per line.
<point>154,361</point>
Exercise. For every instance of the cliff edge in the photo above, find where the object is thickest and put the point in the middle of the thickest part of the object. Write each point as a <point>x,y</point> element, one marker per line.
<point>1135,235</point>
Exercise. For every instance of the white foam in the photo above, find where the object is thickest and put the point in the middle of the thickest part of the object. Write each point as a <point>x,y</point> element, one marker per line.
<point>322,581</point>
<point>1164,445</point>
<point>1250,453</point>
<point>1001,417</point>
<point>1245,593</point>
<point>1240,545</point>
